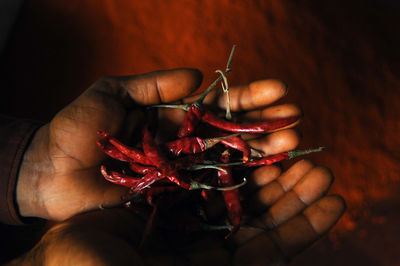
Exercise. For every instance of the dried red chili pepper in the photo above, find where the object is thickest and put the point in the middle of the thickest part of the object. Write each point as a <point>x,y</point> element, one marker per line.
<point>195,110</point>
<point>268,160</point>
<point>257,127</point>
<point>168,169</point>
<point>231,197</point>
<point>159,170</point>
<point>141,169</point>
<point>179,164</point>
<point>154,153</point>
<point>109,149</point>
<point>192,145</point>
<point>157,158</point>
<point>208,117</point>
<point>136,184</point>
<point>134,154</point>
<point>191,120</point>
<point>187,145</point>
<point>238,143</point>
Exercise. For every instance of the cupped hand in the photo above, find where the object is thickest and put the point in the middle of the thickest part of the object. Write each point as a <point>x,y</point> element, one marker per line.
<point>286,213</point>
<point>59,176</point>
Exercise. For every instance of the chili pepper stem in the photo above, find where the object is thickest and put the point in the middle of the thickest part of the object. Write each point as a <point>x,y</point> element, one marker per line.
<point>184,107</point>
<point>211,227</point>
<point>291,154</point>
<point>205,166</point>
<point>228,64</point>
<point>295,153</point>
<point>227,164</point>
<point>199,101</point>
<point>228,69</point>
<point>197,185</point>
<point>225,89</point>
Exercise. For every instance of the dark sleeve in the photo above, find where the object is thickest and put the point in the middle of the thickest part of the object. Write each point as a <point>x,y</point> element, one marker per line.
<point>15,136</point>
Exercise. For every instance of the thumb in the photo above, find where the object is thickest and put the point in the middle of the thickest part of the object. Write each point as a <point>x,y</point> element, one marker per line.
<point>105,105</point>
<point>155,87</point>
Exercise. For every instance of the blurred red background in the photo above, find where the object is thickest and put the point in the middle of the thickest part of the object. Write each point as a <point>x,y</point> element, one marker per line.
<point>340,60</point>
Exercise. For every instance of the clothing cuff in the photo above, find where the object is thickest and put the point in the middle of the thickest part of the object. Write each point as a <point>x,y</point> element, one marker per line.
<point>15,136</point>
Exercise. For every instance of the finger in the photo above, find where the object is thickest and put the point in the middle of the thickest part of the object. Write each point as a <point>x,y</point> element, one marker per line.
<point>277,142</point>
<point>261,177</point>
<point>270,193</point>
<point>281,244</point>
<point>271,113</point>
<point>160,86</point>
<point>113,95</point>
<point>104,106</point>
<point>255,95</point>
<point>246,97</point>
<point>301,231</point>
<point>310,188</point>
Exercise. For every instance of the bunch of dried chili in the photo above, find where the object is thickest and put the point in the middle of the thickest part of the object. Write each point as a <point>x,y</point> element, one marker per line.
<point>157,168</point>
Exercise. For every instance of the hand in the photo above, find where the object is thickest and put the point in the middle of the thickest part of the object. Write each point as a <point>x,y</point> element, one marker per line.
<point>59,176</point>
<point>292,208</point>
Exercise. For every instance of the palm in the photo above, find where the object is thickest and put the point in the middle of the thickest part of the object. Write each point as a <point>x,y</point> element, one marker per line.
<point>101,238</point>
<point>75,154</point>
<point>285,213</point>
<point>71,182</point>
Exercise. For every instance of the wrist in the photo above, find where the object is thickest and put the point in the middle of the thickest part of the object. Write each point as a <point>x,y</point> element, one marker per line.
<point>32,168</point>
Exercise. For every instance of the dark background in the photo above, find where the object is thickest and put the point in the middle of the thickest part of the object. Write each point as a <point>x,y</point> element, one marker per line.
<point>339,58</point>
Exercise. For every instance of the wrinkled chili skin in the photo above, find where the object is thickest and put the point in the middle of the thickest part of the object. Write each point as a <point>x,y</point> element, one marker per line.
<point>141,169</point>
<point>191,120</point>
<point>150,178</point>
<point>231,197</point>
<point>173,176</point>
<point>238,143</point>
<point>133,154</point>
<point>134,183</point>
<point>112,151</point>
<point>178,164</point>
<point>268,160</point>
<point>186,145</point>
<point>258,127</point>
<point>156,156</point>
<point>152,151</point>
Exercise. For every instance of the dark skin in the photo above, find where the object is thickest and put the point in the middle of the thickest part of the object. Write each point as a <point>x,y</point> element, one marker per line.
<point>60,178</point>
<point>292,207</point>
